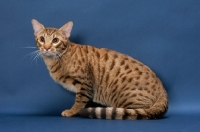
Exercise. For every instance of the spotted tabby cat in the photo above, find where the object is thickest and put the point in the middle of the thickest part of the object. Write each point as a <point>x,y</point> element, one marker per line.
<point>128,88</point>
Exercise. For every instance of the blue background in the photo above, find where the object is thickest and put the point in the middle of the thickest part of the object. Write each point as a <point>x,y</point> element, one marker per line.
<point>162,34</point>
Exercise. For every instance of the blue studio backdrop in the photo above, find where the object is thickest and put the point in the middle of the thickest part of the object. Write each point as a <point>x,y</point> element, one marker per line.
<point>163,34</point>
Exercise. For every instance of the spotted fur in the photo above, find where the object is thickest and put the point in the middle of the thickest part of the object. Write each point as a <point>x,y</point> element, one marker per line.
<point>126,87</point>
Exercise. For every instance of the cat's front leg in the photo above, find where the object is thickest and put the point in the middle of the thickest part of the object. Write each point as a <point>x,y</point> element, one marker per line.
<point>82,98</point>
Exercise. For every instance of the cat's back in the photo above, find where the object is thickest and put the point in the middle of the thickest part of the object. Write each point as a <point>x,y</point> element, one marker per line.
<point>112,60</point>
<point>112,65</point>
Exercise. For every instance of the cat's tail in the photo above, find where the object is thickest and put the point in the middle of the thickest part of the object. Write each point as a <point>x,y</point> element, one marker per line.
<point>154,112</point>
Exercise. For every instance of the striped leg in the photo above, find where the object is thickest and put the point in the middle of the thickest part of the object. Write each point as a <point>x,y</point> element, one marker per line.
<point>82,98</point>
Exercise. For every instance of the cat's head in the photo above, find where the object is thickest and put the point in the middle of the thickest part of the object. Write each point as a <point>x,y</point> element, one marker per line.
<point>51,41</point>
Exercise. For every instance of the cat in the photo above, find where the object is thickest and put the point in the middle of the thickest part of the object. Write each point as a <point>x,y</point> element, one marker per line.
<point>126,87</point>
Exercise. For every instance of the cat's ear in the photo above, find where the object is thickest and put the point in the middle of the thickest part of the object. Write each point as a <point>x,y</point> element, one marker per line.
<point>37,27</point>
<point>67,28</point>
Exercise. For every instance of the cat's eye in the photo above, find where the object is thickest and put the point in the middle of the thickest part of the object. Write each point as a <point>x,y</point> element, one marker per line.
<point>42,39</point>
<point>55,40</point>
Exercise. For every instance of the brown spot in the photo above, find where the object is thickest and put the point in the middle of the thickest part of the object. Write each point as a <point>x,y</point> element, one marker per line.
<point>54,64</point>
<point>126,58</point>
<point>122,62</point>
<point>83,59</point>
<point>140,94</point>
<point>137,83</point>
<point>138,77</point>
<point>134,95</point>
<point>147,83</point>
<point>140,89</point>
<point>153,76</point>
<point>139,100</point>
<point>128,104</point>
<point>79,62</point>
<point>103,71</point>
<point>77,69</point>
<point>113,96</point>
<point>130,79</point>
<point>115,82</point>
<point>136,69</point>
<point>126,89</point>
<point>112,65</point>
<point>107,77</point>
<point>106,57</point>
<point>122,95</point>
<point>97,53</point>
<point>153,87</point>
<point>123,79</point>
<point>115,56</point>
<point>126,67</point>
<point>141,65</point>
<point>133,61</point>
<point>140,73</point>
<point>116,86</point>
<point>57,68</point>
<point>93,49</point>
<point>127,95</point>
<point>145,88</point>
<point>86,50</point>
<point>61,77</point>
<point>121,75</point>
<point>75,82</point>
<point>133,89</point>
<point>129,71</point>
<point>147,77</point>
<point>118,72</point>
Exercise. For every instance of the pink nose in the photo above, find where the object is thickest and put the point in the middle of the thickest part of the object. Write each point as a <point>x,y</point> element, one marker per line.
<point>47,47</point>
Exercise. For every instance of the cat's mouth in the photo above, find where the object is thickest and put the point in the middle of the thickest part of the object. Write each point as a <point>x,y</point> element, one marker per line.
<point>48,53</point>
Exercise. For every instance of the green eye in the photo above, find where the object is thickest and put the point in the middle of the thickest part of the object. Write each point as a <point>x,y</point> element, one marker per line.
<point>42,39</point>
<point>55,40</point>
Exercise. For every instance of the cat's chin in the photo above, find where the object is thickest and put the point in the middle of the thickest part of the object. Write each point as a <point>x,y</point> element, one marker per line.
<point>48,54</point>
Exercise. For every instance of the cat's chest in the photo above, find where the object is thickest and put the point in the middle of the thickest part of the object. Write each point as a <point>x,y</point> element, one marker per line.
<point>65,80</point>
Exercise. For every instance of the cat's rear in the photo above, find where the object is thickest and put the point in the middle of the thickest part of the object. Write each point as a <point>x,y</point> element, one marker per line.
<point>129,88</point>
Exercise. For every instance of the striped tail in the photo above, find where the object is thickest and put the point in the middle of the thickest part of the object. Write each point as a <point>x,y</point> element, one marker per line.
<point>155,112</point>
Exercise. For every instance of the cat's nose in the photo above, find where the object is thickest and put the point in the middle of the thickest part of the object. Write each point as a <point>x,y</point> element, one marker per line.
<point>47,47</point>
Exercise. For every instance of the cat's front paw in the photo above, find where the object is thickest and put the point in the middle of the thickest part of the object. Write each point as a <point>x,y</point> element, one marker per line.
<point>68,113</point>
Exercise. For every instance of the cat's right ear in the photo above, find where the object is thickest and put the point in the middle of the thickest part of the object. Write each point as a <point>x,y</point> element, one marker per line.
<point>37,27</point>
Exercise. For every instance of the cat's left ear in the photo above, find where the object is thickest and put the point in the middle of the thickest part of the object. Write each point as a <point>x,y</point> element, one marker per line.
<point>66,29</point>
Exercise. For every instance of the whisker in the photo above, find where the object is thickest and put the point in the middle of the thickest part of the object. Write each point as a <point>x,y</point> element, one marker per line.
<point>36,57</point>
<point>32,54</point>
<point>29,47</point>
